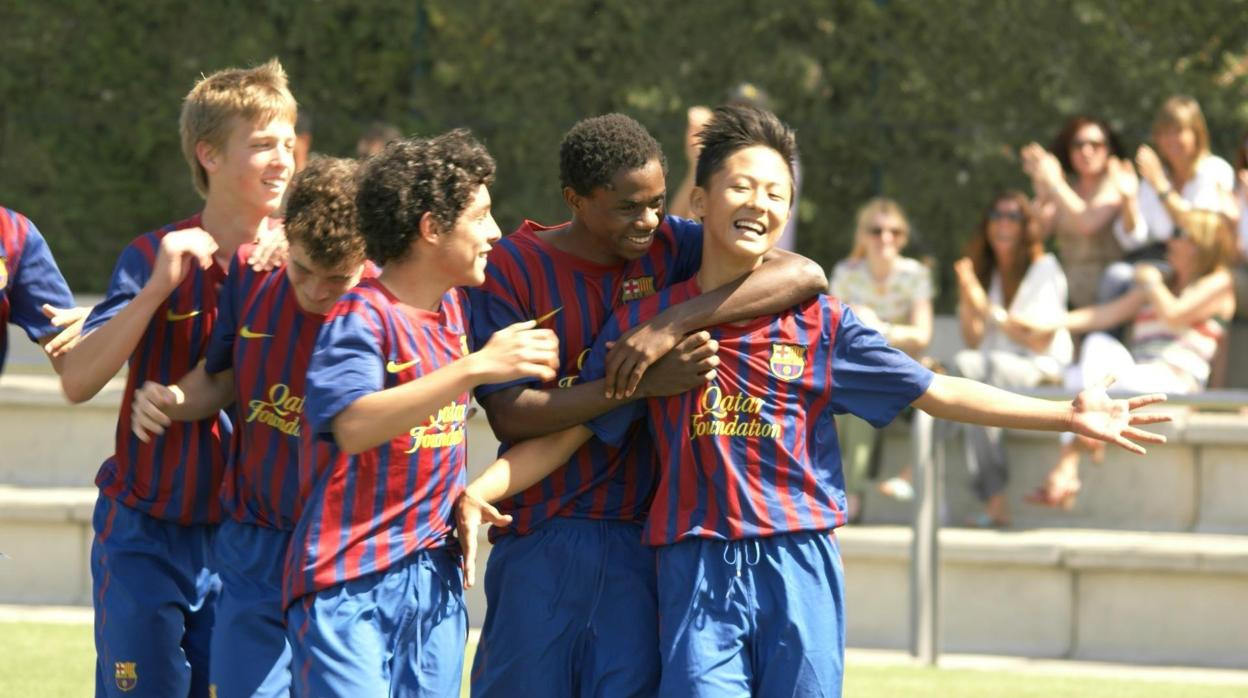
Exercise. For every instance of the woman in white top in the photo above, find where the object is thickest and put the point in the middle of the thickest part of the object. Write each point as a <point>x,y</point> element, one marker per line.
<point>892,294</point>
<point>1186,176</point>
<point>1079,184</point>
<point>1176,327</point>
<point>1006,278</point>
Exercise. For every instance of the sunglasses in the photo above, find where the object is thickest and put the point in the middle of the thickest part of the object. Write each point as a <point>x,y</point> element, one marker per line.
<point>1016,216</point>
<point>879,230</point>
<point>1087,143</point>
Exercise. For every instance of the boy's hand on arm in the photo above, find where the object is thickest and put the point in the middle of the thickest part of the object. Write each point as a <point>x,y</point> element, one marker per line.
<point>271,250</point>
<point>635,351</point>
<point>471,511</point>
<point>1096,415</point>
<point>689,364</point>
<point>69,321</point>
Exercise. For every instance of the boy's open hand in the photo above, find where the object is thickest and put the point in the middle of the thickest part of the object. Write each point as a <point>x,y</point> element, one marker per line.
<point>1098,416</point>
<point>519,351</point>
<point>470,512</point>
<point>271,250</point>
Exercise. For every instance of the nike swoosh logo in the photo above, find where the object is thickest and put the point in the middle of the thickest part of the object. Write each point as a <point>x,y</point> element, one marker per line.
<point>392,367</point>
<point>175,317</point>
<point>246,333</point>
<point>547,316</point>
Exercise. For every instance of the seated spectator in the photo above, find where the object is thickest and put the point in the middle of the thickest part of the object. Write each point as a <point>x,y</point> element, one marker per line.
<point>375,138</point>
<point>1177,324</point>
<point>1006,279</point>
<point>1081,182</point>
<point>893,295</point>
<point>1186,176</point>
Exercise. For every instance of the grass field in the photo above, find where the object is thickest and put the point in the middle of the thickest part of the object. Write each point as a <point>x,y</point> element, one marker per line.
<point>43,660</point>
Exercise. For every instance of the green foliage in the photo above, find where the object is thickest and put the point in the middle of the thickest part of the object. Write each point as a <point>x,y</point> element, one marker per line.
<point>927,102</point>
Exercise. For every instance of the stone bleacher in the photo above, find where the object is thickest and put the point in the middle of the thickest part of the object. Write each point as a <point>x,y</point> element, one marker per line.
<point>1151,567</point>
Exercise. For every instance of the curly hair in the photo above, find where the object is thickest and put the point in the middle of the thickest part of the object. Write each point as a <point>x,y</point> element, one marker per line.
<point>411,177</point>
<point>321,215</point>
<point>595,150</point>
<point>736,127</point>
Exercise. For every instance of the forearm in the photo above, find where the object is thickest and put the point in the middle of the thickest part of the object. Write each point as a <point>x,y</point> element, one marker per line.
<point>202,395</point>
<point>527,463</point>
<point>520,413</point>
<point>782,281</point>
<point>101,353</point>
<point>971,402</point>
<point>1105,315</point>
<point>378,417</point>
<point>971,322</point>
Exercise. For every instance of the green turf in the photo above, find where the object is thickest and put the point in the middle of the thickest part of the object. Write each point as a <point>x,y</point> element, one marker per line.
<point>50,661</point>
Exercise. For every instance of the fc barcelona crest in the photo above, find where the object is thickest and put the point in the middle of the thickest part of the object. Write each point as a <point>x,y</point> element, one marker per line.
<point>636,287</point>
<point>4,272</point>
<point>127,675</point>
<point>788,361</point>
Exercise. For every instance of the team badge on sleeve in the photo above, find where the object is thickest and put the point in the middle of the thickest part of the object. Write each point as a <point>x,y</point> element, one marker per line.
<point>637,287</point>
<point>788,361</point>
<point>126,675</point>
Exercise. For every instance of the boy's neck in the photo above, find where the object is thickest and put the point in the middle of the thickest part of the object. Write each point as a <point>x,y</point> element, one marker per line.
<point>231,225</point>
<point>719,268</point>
<point>414,283</point>
<point>575,239</point>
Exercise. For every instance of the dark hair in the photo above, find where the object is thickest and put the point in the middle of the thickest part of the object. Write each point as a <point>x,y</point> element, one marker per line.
<point>735,127</point>
<point>595,150</point>
<point>321,214</point>
<point>411,177</point>
<point>1061,144</point>
<point>381,132</point>
<point>1030,248</point>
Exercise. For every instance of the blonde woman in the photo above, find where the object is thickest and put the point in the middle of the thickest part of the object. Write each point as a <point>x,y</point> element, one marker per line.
<point>1176,326</point>
<point>892,294</point>
<point>1006,277</point>
<point>1181,175</point>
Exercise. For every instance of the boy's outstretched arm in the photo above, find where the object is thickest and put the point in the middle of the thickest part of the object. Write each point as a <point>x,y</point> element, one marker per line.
<point>521,467</point>
<point>784,280</point>
<point>1092,413</point>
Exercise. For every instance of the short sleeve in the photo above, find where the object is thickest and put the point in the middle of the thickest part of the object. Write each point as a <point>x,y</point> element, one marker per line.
<point>220,354</point>
<point>129,276</point>
<point>37,281</point>
<point>870,379</point>
<point>688,258</point>
<point>612,427</point>
<point>346,365</point>
<point>490,312</point>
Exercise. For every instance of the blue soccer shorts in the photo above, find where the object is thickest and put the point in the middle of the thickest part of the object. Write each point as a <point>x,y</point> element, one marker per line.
<point>250,652</point>
<point>399,633</point>
<point>756,617</point>
<point>572,611</point>
<point>154,593</point>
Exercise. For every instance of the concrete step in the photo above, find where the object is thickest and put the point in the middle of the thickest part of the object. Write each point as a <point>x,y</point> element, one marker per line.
<point>1192,483</point>
<point>47,442</point>
<point>1148,598</point>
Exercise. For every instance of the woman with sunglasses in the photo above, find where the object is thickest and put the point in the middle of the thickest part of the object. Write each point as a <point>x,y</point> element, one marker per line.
<point>1082,181</point>
<point>892,294</point>
<point>1177,323</point>
<point>1181,175</point>
<point>1006,276</point>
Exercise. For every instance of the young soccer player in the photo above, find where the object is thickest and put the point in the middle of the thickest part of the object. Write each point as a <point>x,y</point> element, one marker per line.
<point>258,360</point>
<point>33,294</point>
<point>372,585</point>
<point>750,584</point>
<point>570,588</point>
<point>154,586</point>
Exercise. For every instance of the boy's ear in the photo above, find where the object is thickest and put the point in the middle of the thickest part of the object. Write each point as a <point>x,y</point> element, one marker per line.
<point>697,202</point>
<point>573,200</point>
<point>208,156</point>
<point>429,228</point>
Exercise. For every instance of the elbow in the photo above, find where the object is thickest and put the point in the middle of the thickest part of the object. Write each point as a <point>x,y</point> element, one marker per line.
<point>504,429</point>
<point>810,277</point>
<point>74,388</point>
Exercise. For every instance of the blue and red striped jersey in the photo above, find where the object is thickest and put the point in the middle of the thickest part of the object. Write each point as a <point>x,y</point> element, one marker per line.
<point>29,278</point>
<point>527,278</point>
<point>267,339</point>
<point>369,511</point>
<point>176,475</point>
<point>754,453</point>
